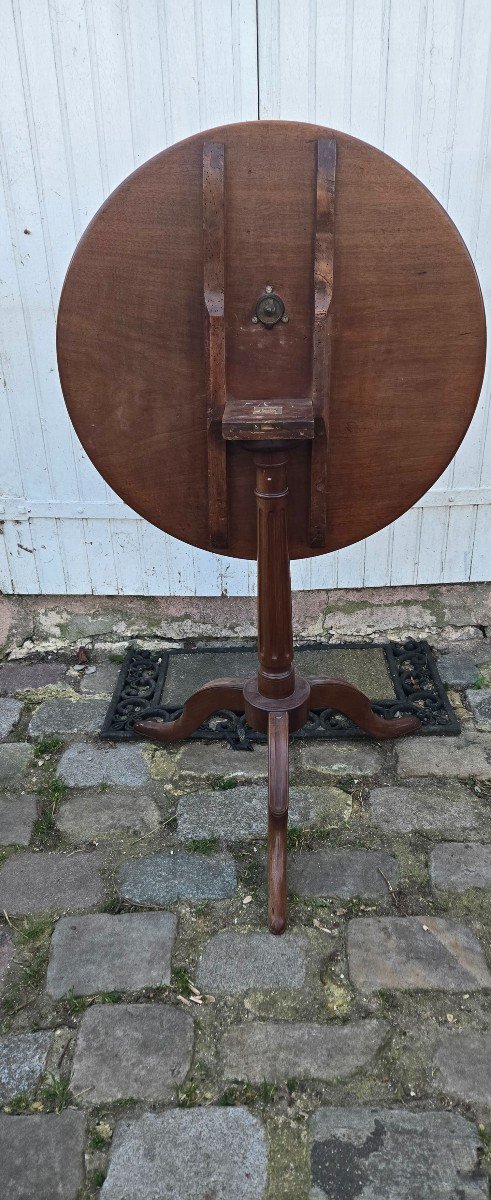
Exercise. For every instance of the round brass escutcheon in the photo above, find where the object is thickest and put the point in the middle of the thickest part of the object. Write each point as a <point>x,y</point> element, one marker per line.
<point>270,309</point>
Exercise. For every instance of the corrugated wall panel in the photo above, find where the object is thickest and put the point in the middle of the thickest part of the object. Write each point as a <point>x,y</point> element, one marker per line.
<point>89,90</point>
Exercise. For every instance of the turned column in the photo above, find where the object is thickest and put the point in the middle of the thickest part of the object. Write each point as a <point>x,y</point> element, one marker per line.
<point>276,676</point>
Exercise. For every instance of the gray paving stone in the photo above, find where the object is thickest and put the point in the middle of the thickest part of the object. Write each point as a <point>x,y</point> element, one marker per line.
<point>340,758</point>
<point>462,1066</point>
<point>83,765</point>
<point>469,754</point>
<point>102,681</point>
<point>26,677</point>
<point>344,873</point>
<point>412,953</point>
<point>17,817</point>
<point>164,878</point>
<point>480,702</point>
<point>131,1050</point>
<point>31,883</point>
<point>10,711</point>
<point>41,1157</point>
<point>280,1050</point>
<point>6,954</point>
<point>215,760</point>
<point>425,805</point>
<point>392,1154</point>
<point>63,715</point>
<point>104,953</point>
<point>241,812</point>
<point>194,1154</point>
<point>457,866</point>
<point>23,1059</point>
<point>15,758</point>
<point>458,670</point>
<point>236,962</point>
<point>86,815</point>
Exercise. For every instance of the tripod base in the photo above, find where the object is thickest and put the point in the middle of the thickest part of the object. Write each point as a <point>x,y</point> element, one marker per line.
<point>276,701</point>
<point>278,717</point>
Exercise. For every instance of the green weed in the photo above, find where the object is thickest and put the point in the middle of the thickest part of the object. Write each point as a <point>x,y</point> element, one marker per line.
<point>55,1094</point>
<point>47,745</point>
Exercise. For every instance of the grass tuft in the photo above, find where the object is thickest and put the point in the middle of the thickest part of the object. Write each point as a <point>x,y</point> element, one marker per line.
<point>203,845</point>
<point>47,745</point>
<point>55,1095</point>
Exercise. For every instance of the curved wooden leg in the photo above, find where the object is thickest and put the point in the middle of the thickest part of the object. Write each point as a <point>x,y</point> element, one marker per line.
<point>277,818</point>
<point>220,693</point>
<point>346,699</point>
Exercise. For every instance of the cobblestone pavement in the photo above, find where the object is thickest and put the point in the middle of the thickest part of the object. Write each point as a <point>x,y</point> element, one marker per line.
<point>157,1044</point>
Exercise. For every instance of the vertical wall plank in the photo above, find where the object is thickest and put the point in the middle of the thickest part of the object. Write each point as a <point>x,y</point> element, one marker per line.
<point>89,89</point>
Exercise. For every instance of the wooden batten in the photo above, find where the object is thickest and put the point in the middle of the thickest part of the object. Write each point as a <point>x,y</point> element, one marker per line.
<point>321,348</point>
<point>214,296</point>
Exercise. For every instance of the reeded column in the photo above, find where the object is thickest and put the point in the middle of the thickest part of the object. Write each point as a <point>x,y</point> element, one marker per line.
<point>276,677</point>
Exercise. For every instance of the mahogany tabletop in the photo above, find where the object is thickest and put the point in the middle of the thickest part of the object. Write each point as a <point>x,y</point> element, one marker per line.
<point>407,337</point>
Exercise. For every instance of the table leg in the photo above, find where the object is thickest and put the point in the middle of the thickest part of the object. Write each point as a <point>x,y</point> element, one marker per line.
<point>348,700</point>
<point>214,696</point>
<point>277,818</point>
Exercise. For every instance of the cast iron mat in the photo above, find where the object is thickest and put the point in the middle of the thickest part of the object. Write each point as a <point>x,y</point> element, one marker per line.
<point>398,677</point>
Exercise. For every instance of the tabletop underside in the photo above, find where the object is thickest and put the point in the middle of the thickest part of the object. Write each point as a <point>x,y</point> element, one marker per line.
<point>407,333</point>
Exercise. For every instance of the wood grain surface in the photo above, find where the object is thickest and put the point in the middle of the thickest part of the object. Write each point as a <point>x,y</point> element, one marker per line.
<point>408,332</point>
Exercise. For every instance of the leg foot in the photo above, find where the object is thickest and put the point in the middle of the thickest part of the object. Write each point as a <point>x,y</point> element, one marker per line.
<point>348,700</point>
<point>221,693</point>
<point>278,728</point>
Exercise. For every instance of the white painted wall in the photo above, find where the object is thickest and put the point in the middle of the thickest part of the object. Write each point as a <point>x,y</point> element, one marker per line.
<point>91,88</point>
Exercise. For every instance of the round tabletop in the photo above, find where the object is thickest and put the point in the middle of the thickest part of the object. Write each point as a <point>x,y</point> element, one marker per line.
<point>407,332</point>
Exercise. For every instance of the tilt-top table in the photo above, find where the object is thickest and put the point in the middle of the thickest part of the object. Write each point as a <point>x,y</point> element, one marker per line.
<point>271,342</point>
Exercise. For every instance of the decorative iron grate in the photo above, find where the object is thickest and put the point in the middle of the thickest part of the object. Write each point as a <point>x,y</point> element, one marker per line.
<point>411,665</point>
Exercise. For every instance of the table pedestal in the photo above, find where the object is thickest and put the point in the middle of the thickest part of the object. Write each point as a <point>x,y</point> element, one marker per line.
<point>276,701</point>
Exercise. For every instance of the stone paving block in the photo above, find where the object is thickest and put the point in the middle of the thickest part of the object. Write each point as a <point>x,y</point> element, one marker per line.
<point>104,953</point>
<point>23,1059</point>
<point>131,1050</point>
<point>198,760</point>
<point>84,765</point>
<point>280,1050</point>
<point>165,878</point>
<point>461,1066</point>
<point>469,754</point>
<point>458,670</point>
<point>412,953</point>
<point>241,812</point>
<point>194,1154</point>
<point>344,873</point>
<point>100,682</point>
<point>15,758</point>
<point>340,758</point>
<point>424,805</point>
<point>6,954</point>
<point>17,817</point>
<point>45,882</point>
<point>86,815</point>
<point>10,711</point>
<point>26,677</point>
<point>392,1154</point>
<point>63,715</point>
<point>236,962</point>
<point>480,702</point>
<point>457,866</point>
<point>41,1156</point>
